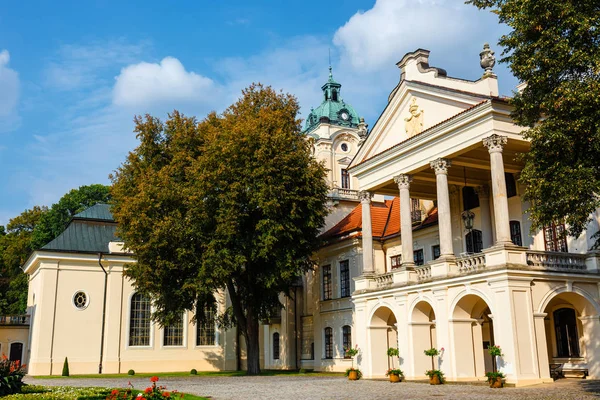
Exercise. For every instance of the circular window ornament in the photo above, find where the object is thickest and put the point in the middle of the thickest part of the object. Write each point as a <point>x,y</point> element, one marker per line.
<point>81,300</point>
<point>344,147</point>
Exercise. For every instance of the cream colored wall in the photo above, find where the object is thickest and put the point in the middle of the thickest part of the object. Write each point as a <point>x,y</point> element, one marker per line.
<point>14,334</point>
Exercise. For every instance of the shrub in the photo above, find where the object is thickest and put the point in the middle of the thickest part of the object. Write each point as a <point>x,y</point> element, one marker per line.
<point>492,376</point>
<point>11,376</point>
<point>393,352</point>
<point>65,371</point>
<point>432,352</point>
<point>353,369</point>
<point>495,351</point>
<point>152,392</point>
<point>193,372</point>
<point>394,371</point>
<point>131,372</point>
<point>433,372</point>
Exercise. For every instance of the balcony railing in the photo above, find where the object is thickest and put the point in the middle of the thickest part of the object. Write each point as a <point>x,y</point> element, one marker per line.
<point>557,261</point>
<point>384,280</point>
<point>423,272</point>
<point>14,319</point>
<point>339,193</point>
<point>470,263</point>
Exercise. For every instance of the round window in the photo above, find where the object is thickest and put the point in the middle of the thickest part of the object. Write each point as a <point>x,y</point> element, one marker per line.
<point>344,147</point>
<point>80,300</point>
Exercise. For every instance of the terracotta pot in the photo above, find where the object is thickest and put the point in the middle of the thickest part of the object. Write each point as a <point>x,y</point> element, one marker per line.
<point>395,378</point>
<point>435,380</point>
<point>353,375</point>
<point>496,383</point>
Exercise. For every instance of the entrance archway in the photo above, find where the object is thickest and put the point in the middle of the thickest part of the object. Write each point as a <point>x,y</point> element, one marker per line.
<point>383,335</point>
<point>572,328</point>
<point>422,327</point>
<point>473,333</point>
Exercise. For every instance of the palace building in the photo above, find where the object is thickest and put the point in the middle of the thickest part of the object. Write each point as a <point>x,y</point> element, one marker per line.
<point>428,244</point>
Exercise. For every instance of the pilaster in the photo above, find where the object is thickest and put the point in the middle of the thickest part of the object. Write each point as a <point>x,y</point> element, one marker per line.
<point>403,182</point>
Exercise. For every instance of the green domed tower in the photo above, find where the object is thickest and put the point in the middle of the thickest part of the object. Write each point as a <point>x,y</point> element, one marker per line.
<point>333,110</point>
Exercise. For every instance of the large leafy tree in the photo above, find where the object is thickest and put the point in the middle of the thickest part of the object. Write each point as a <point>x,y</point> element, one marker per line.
<point>231,204</point>
<point>554,46</point>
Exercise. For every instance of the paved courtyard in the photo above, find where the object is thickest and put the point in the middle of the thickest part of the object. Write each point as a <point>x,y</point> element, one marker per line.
<point>314,387</point>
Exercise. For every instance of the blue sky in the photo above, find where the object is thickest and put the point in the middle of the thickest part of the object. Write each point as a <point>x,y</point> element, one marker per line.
<point>74,73</point>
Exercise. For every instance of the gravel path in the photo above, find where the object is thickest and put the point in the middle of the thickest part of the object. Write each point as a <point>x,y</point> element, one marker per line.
<point>311,387</point>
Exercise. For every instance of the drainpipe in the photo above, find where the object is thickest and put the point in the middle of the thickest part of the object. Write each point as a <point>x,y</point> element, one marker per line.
<point>103,313</point>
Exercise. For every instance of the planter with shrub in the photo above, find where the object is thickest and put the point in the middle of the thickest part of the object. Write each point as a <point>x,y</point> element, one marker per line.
<point>352,373</point>
<point>395,374</point>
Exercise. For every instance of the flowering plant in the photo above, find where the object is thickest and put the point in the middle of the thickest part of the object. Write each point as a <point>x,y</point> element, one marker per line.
<point>394,371</point>
<point>495,351</point>
<point>11,376</point>
<point>153,392</point>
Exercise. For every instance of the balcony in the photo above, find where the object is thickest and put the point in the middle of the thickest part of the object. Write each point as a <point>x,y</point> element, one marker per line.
<point>343,194</point>
<point>14,320</point>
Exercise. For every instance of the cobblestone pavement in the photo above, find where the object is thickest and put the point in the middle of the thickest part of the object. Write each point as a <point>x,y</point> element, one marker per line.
<point>314,387</point>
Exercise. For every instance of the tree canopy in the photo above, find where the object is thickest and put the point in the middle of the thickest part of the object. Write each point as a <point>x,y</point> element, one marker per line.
<point>554,46</point>
<point>231,204</point>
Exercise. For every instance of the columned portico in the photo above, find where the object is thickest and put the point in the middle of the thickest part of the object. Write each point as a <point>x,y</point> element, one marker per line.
<point>367,232</point>
<point>440,166</point>
<point>403,182</point>
<point>495,145</point>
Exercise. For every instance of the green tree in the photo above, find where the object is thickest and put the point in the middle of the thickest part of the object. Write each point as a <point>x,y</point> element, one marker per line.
<point>58,216</point>
<point>554,46</point>
<point>233,203</point>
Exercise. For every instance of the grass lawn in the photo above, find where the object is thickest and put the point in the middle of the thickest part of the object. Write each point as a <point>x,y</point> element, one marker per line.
<point>200,373</point>
<point>36,392</point>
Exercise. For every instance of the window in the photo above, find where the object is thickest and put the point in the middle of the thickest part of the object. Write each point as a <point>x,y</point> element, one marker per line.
<point>470,198</point>
<point>344,147</point>
<point>205,326</point>
<point>346,339</point>
<point>312,351</point>
<point>139,321</point>
<point>418,257</point>
<point>511,185</point>
<point>80,300</point>
<point>415,210</point>
<point>515,233</point>
<point>345,278</point>
<point>276,346</point>
<point>435,251</point>
<point>395,261</point>
<point>16,352</point>
<point>327,282</point>
<point>567,338</point>
<point>474,241</point>
<point>334,95</point>
<point>173,334</point>
<point>555,238</point>
<point>328,343</point>
<point>345,179</point>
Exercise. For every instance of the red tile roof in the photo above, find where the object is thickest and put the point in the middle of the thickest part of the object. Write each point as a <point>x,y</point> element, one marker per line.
<point>385,221</point>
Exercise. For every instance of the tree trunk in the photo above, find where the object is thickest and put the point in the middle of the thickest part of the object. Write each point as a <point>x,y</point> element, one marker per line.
<point>252,346</point>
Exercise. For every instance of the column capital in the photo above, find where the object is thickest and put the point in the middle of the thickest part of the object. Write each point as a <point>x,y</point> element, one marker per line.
<point>403,181</point>
<point>365,196</point>
<point>495,143</point>
<point>440,165</point>
<point>483,191</point>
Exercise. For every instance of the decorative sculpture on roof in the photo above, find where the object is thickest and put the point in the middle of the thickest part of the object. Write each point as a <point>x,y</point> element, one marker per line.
<point>414,122</point>
<point>487,60</point>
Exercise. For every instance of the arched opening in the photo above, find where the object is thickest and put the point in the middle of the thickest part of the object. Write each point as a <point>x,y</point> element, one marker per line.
<point>572,332</point>
<point>424,337</point>
<point>383,335</point>
<point>473,334</point>
<point>16,352</point>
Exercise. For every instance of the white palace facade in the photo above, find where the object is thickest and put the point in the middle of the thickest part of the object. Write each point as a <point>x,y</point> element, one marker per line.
<point>427,245</point>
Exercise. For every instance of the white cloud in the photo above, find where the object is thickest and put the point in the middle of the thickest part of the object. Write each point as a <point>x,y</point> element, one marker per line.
<point>10,87</point>
<point>167,82</point>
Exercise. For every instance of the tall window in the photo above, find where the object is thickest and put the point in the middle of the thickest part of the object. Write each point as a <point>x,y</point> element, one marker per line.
<point>511,185</point>
<point>418,257</point>
<point>276,346</point>
<point>435,251</point>
<point>555,238</point>
<point>474,241</point>
<point>345,278</point>
<point>515,233</point>
<point>139,321</point>
<point>174,334</point>
<point>328,343</point>
<point>346,339</point>
<point>327,282</point>
<point>205,326</point>
<point>395,261</point>
<point>345,179</point>
<point>334,95</point>
<point>567,338</point>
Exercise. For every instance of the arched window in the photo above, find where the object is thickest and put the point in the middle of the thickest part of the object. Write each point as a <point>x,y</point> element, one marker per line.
<point>16,352</point>
<point>328,343</point>
<point>276,346</point>
<point>206,326</point>
<point>346,339</point>
<point>173,334</point>
<point>474,241</point>
<point>567,338</point>
<point>139,320</point>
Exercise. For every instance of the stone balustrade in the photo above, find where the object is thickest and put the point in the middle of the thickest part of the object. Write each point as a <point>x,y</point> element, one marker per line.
<point>384,280</point>
<point>423,272</point>
<point>470,263</point>
<point>556,260</point>
<point>14,319</point>
<point>340,193</point>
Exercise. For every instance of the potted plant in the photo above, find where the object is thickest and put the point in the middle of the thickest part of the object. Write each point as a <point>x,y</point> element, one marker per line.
<point>436,377</point>
<point>352,373</point>
<point>495,379</point>
<point>395,374</point>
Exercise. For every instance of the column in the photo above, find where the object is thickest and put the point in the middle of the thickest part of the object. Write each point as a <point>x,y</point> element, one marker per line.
<point>542,347</point>
<point>495,145</point>
<point>367,232</point>
<point>440,166</point>
<point>591,337</point>
<point>483,192</point>
<point>403,182</point>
